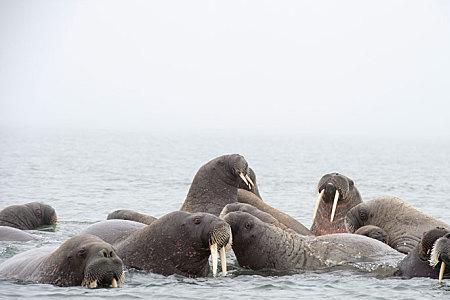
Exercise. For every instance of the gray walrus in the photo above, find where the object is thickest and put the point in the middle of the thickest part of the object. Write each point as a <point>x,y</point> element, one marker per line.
<point>177,243</point>
<point>82,260</point>
<point>131,215</point>
<point>216,184</point>
<point>13,234</point>
<point>258,246</point>
<point>374,232</point>
<point>337,194</point>
<point>288,221</point>
<point>430,257</point>
<point>114,230</point>
<point>403,223</point>
<point>28,216</point>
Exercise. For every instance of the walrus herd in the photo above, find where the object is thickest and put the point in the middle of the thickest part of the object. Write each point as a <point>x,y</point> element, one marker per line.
<point>224,210</point>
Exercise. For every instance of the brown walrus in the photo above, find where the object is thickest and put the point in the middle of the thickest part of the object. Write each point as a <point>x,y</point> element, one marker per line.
<point>28,216</point>
<point>337,195</point>
<point>177,243</point>
<point>83,260</point>
<point>403,223</point>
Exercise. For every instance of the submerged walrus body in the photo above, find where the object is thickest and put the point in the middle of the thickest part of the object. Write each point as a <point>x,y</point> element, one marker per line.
<point>28,216</point>
<point>258,246</point>
<point>131,215</point>
<point>403,224</point>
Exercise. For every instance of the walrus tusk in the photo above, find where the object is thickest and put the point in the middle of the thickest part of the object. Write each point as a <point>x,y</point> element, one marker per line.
<point>215,258</point>
<point>114,283</point>
<point>441,272</point>
<point>250,181</point>
<point>223,261</point>
<point>335,201</point>
<point>316,206</point>
<point>244,179</point>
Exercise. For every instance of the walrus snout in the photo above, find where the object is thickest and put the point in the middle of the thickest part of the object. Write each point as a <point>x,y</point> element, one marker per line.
<point>105,269</point>
<point>220,238</point>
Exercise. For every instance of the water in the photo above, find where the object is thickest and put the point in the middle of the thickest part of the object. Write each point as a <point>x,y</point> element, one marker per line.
<point>85,175</point>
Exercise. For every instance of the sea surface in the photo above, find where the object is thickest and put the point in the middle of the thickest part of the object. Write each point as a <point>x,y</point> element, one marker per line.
<point>86,174</point>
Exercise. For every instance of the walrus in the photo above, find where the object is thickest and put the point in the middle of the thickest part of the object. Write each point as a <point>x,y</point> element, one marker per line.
<point>28,216</point>
<point>177,243</point>
<point>288,221</point>
<point>216,184</point>
<point>263,216</point>
<point>83,260</point>
<point>13,234</point>
<point>261,246</point>
<point>432,250</point>
<point>131,215</point>
<point>337,194</point>
<point>374,232</point>
<point>403,223</point>
<point>114,230</point>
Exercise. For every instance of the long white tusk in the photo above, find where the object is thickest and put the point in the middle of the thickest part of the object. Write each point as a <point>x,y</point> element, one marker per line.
<point>244,179</point>
<point>335,201</point>
<point>316,206</point>
<point>441,272</point>
<point>215,258</point>
<point>223,261</point>
<point>250,181</point>
<point>114,283</point>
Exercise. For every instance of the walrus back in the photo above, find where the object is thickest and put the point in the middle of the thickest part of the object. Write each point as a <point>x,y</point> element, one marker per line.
<point>25,266</point>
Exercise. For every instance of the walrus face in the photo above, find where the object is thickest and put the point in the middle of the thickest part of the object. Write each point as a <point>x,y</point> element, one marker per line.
<point>357,217</point>
<point>252,181</point>
<point>214,234</point>
<point>88,261</point>
<point>45,214</point>
<point>332,188</point>
<point>440,252</point>
<point>249,240</point>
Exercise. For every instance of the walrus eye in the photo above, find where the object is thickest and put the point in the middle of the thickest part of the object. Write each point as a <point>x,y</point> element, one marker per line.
<point>82,252</point>
<point>197,220</point>
<point>350,183</point>
<point>248,225</point>
<point>363,215</point>
<point>38,213</point>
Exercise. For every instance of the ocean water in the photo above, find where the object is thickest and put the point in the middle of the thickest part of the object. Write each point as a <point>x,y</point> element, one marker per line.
<point>86,174</point>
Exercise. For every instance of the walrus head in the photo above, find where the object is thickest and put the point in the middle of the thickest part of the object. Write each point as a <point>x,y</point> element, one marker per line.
<point>88,261</point>
<point>435,245</point>
<point>252,240</point>
<point>28,216</point>
<point>374,232</point>
<point>336,195</point>
<point>45,214</point>
<point>216,184</point>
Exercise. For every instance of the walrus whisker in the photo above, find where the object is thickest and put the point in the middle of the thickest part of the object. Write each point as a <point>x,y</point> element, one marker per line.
<point>215,258</point>
<point>223,261</point>
<point>335,201</point>
<point>244,179</point>
<point>316,206</point>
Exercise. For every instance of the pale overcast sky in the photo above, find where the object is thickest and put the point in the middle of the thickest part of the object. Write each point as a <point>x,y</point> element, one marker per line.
<point>374,67</point>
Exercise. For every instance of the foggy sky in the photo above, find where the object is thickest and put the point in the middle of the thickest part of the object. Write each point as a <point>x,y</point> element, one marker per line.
<point>334,67</point>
